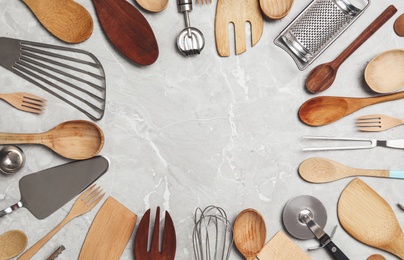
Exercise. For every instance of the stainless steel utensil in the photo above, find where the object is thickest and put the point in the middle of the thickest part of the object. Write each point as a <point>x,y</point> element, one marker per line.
<point>190,41</point>
<point>317,27</point>
<point>58,251</point>
<point>12,159</point>
<point>397,143</point>
<point>44,192</point>
<point>72,75</point>
<point>401,206</point>
<point>377,123</point>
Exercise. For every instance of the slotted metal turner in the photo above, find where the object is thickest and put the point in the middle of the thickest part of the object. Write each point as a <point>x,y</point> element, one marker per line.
<point>72,75</point>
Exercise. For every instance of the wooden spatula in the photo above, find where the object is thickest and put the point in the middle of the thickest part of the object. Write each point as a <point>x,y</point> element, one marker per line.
<point>369,218</point>
<point>280,247</point>
<point>109,233</point>
<point>237,12</point>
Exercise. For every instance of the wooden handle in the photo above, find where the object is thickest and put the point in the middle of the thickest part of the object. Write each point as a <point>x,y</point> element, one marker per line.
<point>380,99</point>
<point>365,35</point>
<point>38,245</point>
<point>11,138</point>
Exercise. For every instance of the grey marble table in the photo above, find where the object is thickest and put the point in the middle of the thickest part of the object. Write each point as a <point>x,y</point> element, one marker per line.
<point>188,132</point>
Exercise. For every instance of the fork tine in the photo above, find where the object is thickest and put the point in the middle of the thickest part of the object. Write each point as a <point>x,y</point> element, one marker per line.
<point>30,109</point>
<point>373,116</point>
<point>142,235</point>
<point>169,238</point>
<point>33,97</point>
<point>156,233</point>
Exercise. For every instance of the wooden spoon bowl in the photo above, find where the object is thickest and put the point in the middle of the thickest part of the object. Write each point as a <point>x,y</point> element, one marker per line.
<point>65,19</point>
<point>12,243</point>
<point>384,73</point>
<point>249,233</point>
<point>153,5</point>
<point>276,9</point>
<point>399,25</point>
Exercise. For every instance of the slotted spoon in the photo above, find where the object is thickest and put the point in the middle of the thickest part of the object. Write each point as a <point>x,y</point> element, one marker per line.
<point>25,102</point>
<point>377,123</point>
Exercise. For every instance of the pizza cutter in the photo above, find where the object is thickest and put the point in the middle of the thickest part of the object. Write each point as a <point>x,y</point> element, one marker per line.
<point>305,217</point>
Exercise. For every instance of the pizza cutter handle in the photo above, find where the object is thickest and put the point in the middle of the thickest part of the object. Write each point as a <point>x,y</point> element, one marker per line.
<point>335,251</point>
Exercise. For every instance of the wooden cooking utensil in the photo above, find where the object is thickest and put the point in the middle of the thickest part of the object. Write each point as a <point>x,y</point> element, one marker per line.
<point>377,122</point>
<point>65,19</point>
<point>384,73</point>
<point>84,203</point>
<point>249,233</point>
<point>280,247</point>
<point>324,110</point>
<point>399,25</point>
<point>276,9</point>
<point>25,102</point>
<point>12,243</point>
<point>153,5</point>
<point>77,140</point>
<point>237,13</point>
<point>376,257</point>
<point>320,170</point>
<point>367,217</point>
<point>322,76</point>
<point>113,225</point>
<point>128,30</point>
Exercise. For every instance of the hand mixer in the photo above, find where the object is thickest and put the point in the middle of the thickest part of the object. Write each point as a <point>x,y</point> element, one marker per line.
<point>190,41</point>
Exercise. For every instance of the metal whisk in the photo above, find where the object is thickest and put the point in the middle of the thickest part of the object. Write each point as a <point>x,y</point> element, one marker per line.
<point>212,237</point>
<point>190,41</point>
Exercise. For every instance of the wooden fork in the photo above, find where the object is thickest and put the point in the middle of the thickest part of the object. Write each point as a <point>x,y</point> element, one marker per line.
<point>25,102</point>
<point>84,203</point>
<point>377,123</point>
<point>142,237</point>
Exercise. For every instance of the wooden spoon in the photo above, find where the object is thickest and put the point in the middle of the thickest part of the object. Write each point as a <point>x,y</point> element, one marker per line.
<point>153,5</point>
<point>12,243</point>
<point>249,233</point>
<point>65,19</point>
<point>320,170</point>
<point>376,257</point>
<point>324,110</point>
<point>128,30</point>
<point>384,73</point>
<point>322,76</point>
<point>77,140</point>
<point>276,9</point>
<point>399,25</point>
<point>369,218</point>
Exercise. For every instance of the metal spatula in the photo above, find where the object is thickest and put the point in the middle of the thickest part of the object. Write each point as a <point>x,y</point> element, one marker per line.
<point>72,75</point>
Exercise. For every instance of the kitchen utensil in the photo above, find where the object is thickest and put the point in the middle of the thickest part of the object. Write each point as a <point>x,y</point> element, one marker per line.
<point>212,237</point>
<point>399,25</point>
<point>249,233</point>
<point>367,217</point>
<point>304,217</point>
<point>397,143</point>
<point>377,123</point>
<point>238,13</point>
<point>383,74</point>
<point>12,159</point>
<point>153,5</point>
<point>113,225</point>
<point>77,139</point>
<point>322,76</point>
<point>12,243</point>
<point>280,247</point>
<point>84,203</point>
<point>376,257</point>
<point>168,243</point>
<point>400,206</point>
<point>276,9</point>
<point>203,1</point>
<point>190,41</point>
<point>57,253</point>
<point>128,30</point>
<point>25,102</point>
<point>44,192</point>
<point>320,170</point>
<point>75,76</point>
<point>324,110</point>
<point>65,19</point>
<point>317,27</point>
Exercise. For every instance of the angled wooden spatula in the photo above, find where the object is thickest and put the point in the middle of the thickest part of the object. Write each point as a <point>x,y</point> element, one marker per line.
<point>237,12</point>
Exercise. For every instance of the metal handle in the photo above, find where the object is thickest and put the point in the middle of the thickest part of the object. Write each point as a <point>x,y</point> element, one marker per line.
<point>372,143</point>
<point>10,209</point>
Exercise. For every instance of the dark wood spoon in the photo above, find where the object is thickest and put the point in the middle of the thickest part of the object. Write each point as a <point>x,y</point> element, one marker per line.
<point>322,76</point>
<point>399,25</point>
<point>128,30</point>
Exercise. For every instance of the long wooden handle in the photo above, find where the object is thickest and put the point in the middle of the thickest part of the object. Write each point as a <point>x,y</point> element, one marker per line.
<point>12,138</point>
<point>365,35</point>
<point>379,99</point>
<point>38,245</point>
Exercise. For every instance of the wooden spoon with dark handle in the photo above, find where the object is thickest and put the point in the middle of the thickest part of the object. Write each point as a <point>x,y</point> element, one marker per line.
<point>322,76</point>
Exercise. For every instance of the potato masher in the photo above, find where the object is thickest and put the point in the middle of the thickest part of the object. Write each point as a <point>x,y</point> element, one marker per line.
<point>190,41</point>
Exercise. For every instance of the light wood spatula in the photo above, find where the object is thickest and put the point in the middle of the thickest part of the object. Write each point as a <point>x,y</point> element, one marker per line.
<point>237,12</point>
<point>367,217</point>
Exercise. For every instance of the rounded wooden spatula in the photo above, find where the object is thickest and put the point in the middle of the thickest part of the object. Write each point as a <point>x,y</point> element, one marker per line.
<point>367,217</point>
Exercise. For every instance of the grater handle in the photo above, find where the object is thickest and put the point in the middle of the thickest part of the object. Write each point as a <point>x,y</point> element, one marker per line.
<point>365,35</point>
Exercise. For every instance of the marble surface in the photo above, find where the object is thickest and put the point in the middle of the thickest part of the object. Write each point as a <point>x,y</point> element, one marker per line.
<point>188,132</point>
